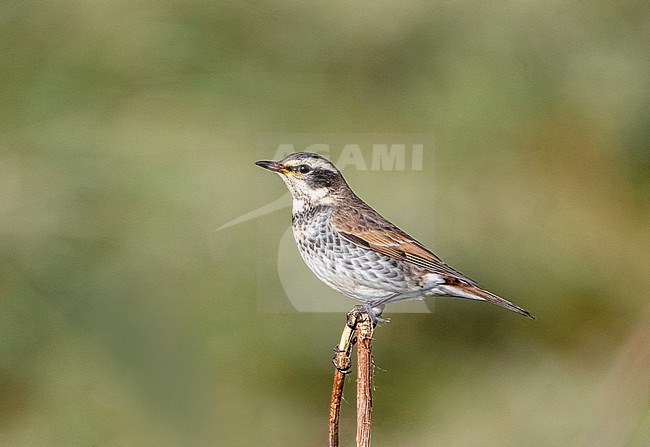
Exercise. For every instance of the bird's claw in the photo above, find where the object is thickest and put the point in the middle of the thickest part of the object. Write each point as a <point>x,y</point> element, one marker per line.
<point>374,311</point>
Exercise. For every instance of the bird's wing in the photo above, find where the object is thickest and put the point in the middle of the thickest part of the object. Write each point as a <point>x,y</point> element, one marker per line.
<point>365,227</point>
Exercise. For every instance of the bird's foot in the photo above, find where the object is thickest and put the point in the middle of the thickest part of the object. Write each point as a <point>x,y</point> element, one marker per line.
<point>374,312</point>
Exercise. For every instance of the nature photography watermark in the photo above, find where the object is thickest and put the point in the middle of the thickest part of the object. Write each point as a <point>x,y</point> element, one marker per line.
<point>382,160</point>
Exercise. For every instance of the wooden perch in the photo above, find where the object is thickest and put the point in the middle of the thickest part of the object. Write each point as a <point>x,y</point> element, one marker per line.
<point>365,329</point>
<point>358,329</point>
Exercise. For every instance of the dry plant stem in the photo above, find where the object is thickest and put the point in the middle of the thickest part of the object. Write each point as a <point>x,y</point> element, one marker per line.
<point>335,407</point>
<point>364,331</point>
<point>341,361</point>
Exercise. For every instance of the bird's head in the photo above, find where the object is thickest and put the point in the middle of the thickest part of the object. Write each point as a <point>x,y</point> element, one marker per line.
<point>309,177</point>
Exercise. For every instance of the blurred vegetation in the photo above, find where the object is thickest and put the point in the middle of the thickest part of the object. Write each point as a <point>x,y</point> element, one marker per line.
<point>127,136</point>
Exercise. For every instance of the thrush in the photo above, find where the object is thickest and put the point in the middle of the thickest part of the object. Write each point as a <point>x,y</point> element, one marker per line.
<point>356,251</point>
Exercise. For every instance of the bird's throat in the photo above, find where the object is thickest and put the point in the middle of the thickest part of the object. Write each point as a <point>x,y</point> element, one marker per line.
<point>314,197</point>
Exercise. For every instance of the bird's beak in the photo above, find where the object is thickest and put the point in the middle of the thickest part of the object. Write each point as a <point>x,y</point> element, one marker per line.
<point>272,166</point>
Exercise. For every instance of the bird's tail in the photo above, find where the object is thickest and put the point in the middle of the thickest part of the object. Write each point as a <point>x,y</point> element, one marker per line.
<point>476,293</point>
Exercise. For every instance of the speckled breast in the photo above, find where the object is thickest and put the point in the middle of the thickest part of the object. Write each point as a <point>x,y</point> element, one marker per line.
<point>356,271</point>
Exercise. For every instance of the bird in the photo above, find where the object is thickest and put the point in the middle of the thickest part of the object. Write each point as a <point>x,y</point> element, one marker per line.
<point>356,251</point>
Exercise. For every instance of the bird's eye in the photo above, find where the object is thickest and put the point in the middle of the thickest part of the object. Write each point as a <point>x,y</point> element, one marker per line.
<point>304,169</point>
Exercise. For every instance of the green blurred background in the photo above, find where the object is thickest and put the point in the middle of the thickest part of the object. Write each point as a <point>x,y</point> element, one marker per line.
<point>127,136</point>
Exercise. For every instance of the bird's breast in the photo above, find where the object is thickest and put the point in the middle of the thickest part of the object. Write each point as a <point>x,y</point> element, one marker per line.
<point>345,266</point>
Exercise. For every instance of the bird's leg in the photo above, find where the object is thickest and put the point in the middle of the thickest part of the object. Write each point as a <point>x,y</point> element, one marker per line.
<point>374,309</point>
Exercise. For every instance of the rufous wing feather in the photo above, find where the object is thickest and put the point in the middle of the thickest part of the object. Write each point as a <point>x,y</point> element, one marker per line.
<point>372,231</point>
